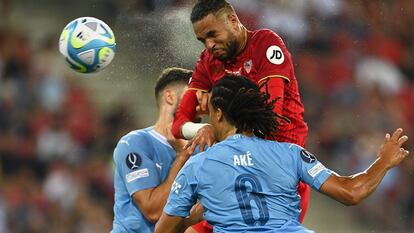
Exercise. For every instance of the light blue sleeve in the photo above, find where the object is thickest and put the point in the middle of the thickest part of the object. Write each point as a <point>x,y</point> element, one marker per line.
<point>183,191</point>
<point>136,170</point>
<point>310,170</point>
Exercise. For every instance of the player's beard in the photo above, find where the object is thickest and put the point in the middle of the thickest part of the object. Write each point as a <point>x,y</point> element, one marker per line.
<point>231,51</point>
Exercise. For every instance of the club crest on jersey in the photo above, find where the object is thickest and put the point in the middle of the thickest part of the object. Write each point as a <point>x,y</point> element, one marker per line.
<point>248,66</point>
<point>275,55</point>
<point>133,161</point>
<point>307,156</point>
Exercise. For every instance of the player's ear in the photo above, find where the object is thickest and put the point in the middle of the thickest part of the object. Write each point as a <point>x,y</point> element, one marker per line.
<point>234,21</point>
<point>219,114</point>
<point>169,96</point>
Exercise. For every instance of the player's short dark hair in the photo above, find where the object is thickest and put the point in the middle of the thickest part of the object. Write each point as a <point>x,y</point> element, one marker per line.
<point>205,7</point>
<point>244,105</point>
<point>171,76</point>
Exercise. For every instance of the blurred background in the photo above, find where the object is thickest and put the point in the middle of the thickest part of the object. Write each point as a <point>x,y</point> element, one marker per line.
<point>354,61</point>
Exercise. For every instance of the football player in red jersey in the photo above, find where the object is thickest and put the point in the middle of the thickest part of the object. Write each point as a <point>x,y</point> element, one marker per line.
<point>260,55</point>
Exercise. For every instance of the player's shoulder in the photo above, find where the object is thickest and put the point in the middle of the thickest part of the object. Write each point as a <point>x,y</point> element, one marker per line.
<point>264,33</point>
<point>217,148</point>
<point>210,154</point>
<point>281,148</point>
<point>264,38</point>
<point>139,134</point>
<point>130,141</point>
<point>205,57</point>
<point>289,146</point>
<point>195,162</point>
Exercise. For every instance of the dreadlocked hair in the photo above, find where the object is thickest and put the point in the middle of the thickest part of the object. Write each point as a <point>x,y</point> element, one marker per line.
<point>244,105</point>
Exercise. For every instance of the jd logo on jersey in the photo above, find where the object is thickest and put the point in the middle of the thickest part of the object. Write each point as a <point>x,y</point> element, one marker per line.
<point>275,55</point>
<point>133,161</point>
<point>307,157</point>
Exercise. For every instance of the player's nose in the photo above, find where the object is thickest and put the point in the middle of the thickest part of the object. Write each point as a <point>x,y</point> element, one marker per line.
<point>210,44</point>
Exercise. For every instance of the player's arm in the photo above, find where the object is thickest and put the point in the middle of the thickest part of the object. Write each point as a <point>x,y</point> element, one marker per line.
<point>275,67</point>
<point>183,126</point>
<point>152,201</point>
<point>275,87</point>
<point>196,215</point>
<point>186,112</point>
<point>350,190</point>
<point>170,224</point>
<point>180,202</point>
<point>193,101</point>
<point>174,224</point>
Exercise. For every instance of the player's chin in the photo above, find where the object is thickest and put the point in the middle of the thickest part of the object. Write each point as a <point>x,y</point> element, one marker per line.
<point>220,54</point>
<point>222,57</point>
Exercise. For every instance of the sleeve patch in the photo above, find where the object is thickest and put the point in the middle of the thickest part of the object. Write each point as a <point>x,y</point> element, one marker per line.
<point>137,175</point>
<point>133,161</point>
<point>307,156</point>
<point>315,170</point>
<point>275,55</point>
<point>175,188</point>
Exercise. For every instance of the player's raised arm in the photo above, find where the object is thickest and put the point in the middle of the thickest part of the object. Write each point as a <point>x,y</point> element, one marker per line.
<point>183,127</point>
<point>196,97</point>
<point>351,190</point>
<point>186,112</point>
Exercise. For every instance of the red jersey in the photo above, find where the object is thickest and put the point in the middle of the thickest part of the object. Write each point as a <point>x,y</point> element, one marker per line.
<point>265,56</point>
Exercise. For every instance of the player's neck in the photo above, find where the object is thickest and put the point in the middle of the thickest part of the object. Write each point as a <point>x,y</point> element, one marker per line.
<point>226,131</point>
<point>243,39</point>
<point>163,122</point>
<point>247,133</point>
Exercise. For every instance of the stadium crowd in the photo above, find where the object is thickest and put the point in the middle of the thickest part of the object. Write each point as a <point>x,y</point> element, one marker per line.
<point>355,67</point>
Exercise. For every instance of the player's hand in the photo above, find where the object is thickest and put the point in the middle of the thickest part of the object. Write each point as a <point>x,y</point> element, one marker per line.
<point>196,213</point>
<point>204,136</point>
<point>391,151</point>
<point>178,145</point>
<point>196,216</point>
<point>202,98</point>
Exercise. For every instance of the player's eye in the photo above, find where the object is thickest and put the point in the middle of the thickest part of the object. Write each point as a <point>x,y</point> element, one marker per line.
<point>202,40</point>
<point>211,34</point>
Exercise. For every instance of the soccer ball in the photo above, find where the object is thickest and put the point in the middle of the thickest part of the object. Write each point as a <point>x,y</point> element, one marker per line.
<point>87,44</point>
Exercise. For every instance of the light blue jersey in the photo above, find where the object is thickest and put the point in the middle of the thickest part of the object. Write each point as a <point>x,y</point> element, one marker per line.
<point>247,184</point>
<point>142,160</point>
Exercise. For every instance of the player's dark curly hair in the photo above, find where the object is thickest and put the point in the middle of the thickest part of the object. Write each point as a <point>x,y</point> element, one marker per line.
<point>244,105</point>
<point>205,7</point>
<point>171,76</point>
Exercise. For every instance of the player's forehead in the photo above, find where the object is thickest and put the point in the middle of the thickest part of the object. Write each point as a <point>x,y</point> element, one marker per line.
<point>207,24</point>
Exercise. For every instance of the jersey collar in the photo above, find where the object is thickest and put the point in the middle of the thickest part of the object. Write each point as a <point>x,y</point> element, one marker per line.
<point>159,138</point>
